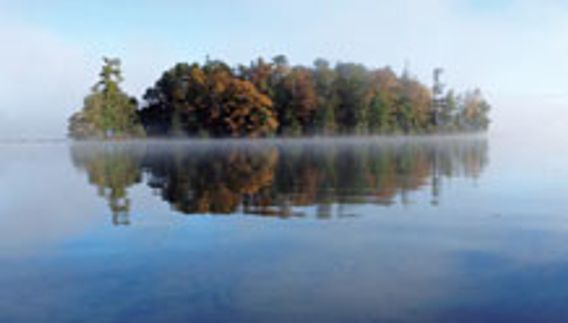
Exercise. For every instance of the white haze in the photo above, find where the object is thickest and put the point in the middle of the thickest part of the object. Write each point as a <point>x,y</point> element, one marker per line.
<point>517,53</point>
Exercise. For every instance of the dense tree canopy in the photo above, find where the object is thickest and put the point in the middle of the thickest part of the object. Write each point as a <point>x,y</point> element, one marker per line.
<point>207,100</point>
<point>269,98</point>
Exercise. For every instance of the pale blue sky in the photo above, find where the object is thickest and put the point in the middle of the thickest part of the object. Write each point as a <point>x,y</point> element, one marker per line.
<point>513,50</point>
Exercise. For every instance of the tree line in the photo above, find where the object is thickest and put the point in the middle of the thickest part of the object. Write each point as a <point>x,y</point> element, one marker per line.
<point>274,98</point>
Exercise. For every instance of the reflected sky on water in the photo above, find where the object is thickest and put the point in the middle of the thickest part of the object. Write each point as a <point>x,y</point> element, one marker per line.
<point>399,230</point>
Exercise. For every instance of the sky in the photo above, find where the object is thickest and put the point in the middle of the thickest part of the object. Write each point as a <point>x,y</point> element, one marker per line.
<point>515,51</point>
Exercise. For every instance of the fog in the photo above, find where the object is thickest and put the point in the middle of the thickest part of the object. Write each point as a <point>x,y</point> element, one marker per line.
<point>514,50</point>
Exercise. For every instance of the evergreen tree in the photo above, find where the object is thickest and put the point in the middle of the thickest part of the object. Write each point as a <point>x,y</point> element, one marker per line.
<point>108,112</point>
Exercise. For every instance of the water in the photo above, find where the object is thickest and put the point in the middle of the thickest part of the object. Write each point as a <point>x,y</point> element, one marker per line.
<point>399,230</point>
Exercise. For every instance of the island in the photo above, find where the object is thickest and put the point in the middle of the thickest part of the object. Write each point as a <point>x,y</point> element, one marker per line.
<point>274,98</point>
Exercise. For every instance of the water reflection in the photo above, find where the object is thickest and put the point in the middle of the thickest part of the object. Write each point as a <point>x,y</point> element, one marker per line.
<point>277,178</point>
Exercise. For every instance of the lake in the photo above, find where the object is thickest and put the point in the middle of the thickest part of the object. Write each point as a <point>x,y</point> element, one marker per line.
<point>437,229</point>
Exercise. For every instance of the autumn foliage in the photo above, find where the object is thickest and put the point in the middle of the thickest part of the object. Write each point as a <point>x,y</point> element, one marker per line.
<point>209,100</point>
<point>270,98</point>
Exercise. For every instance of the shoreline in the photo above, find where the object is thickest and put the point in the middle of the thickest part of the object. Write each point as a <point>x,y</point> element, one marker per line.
<point>310,139</point>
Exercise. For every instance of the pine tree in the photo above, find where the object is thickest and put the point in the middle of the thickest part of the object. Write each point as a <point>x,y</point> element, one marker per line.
<point>108,112</point>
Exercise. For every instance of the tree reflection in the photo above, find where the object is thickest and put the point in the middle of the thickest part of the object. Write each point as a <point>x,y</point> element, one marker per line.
<point>112,169</point>
<point>211,181</point>
<point>277,179</point>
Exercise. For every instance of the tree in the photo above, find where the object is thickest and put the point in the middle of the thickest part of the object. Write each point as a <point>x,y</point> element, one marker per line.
<point>298,109</point>
<point>259,73</point>
<point>383,95</point>
<point>324,78</point>
<point>351,87</point>
<point>379,114</point>
<point>448,112</point>
<point>209,100</point>
<point>269,97</point>
<point>281,64</point>
<point>166,110</point>
<point>414,111</point>
<point>107,112</point>
<point>474,112</point>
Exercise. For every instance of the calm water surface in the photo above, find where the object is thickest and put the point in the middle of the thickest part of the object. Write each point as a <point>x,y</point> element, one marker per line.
<point>413,230</point>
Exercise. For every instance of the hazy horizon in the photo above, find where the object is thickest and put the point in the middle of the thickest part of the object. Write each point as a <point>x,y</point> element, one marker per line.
<point>512,50</point>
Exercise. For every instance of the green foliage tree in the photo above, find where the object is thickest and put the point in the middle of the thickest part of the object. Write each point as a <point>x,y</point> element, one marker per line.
<point>107,112</point>
<point>378,121</point>
<point>324,77</point>
<point>415,106</point>
<point>351,86</point>
<point>383,95</point>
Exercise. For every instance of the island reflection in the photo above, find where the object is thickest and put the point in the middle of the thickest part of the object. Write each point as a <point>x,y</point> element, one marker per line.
<point>276,178</point>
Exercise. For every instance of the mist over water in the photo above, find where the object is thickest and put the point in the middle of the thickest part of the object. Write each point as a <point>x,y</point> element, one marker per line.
<point>430,229</point>
<point>273,177</point>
